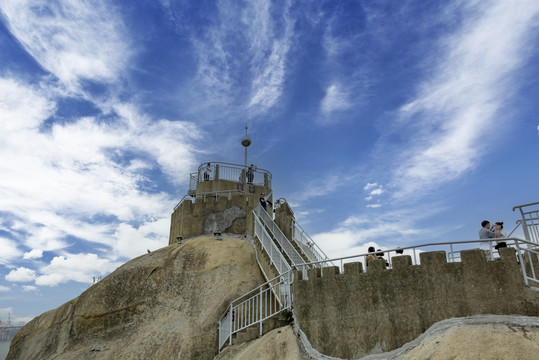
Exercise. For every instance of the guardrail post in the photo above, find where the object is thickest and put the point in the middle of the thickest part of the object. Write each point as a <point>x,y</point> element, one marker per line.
<point>522,266</point>
<point>260,315</point>
<point>231,314</point>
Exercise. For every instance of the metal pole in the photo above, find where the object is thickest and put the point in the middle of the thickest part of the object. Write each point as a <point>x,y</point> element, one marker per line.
<point>260,319</point>
<point>523,268</point>
<point>231,314</point>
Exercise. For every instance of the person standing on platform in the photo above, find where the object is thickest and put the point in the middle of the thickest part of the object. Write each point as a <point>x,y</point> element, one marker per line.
<point>251,173</point>
<point>486,232</point>
<point>207,172</point>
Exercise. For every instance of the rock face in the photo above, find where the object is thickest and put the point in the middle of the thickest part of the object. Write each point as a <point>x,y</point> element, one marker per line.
<point>162,305</point>
<point>221,221</point>
<point>277,344</point>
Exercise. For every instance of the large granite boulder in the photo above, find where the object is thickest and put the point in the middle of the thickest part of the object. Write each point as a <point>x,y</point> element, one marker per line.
<point>162,305</point>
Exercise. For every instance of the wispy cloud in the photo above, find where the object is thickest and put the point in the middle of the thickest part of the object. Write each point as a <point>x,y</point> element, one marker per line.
<point>74,40</point>
<point>336,99</point>
<point>86,180</point>
<point>393,227</point>
<point>242,56</point>
<point>456,111</point>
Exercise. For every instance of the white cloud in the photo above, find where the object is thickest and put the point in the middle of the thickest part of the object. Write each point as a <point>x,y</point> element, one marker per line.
<point>250,49</point>
<point>56,185</point>
<point>23,107</point>
<point>370,185</point>
<point>136,241</point>
<point>395,227</point>
<point>33,254</point>
<point>21,274</point>
<point>9,250</point>
<point>368,198</point>
<point>76,267</point>
<point>373,205</point>
<point>73,40</point>
<point>268,69</point>
<point>4,288</point>
<point>29,288</point>
<point>336,99</point>
<point>455,107</point>
<point>378,191</point>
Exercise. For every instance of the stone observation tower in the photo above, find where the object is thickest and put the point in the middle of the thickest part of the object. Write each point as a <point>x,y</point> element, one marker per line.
<point>220,199</point>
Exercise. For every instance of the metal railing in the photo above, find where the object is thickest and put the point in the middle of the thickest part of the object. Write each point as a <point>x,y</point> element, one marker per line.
<point>307,245</point>
<point>524,251</point>
<point>245,305</point>
<point>211,194</point>
<point>276,257</point>
<point>530,221</point>
<point>229,172</point>
<point>258,305</point>
<point>284,243</point>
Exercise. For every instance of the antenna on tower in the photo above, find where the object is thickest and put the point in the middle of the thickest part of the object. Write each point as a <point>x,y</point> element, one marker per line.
<point>245,142</point>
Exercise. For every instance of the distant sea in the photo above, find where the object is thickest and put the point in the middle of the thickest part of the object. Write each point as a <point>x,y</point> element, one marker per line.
<point>4,349</point>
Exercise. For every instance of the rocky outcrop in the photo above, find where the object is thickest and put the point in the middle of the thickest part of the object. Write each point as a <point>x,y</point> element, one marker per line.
<point>277,344</point>
<point>162,305</point>
<point>476,337</point>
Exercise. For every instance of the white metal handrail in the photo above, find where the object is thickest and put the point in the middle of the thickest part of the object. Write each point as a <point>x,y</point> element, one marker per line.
<point>285,244</point>
<point>530,220</point>
<point>212,194</point>
<point>522,247</point>
<point>255,307</point>
<point>229,172</point>
<point>276,257</point>
<point>307,245</point>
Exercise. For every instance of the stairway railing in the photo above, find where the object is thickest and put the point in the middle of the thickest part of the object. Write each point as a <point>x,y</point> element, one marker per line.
<point>284,243</point>
<point>308,246</point>
<point>255,307</point>
<point>530,221</point>
<point>276,257</point>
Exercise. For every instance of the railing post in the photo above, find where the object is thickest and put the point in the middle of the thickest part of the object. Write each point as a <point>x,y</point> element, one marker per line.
<point>231,314</point>
<point>260,315</point>
<point>522,266</point>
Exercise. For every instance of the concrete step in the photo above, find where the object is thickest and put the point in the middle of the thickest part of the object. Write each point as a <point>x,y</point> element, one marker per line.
<point>245,335</point>
<point>269,324</point>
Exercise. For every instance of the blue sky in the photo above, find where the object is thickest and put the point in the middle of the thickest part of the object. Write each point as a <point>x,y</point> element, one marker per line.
<point>383,122</point>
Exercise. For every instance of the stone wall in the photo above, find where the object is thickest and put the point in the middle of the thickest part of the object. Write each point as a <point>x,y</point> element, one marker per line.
<point>354,314</point>
<point>284,217</point>
<point>206,215</point>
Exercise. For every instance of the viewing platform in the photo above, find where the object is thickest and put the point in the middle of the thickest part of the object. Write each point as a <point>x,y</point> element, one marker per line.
<point>221,198</point>
<point>213,177</point>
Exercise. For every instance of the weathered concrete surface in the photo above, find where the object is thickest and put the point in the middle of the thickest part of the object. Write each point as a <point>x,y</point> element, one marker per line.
<point>356,314</point>
<point>279,344</point>
<point>221,221</point>
<point>163,305</point>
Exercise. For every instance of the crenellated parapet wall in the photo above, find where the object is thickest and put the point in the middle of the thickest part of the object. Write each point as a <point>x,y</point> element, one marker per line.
<point>353,314</point>
<point>189,218</point>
